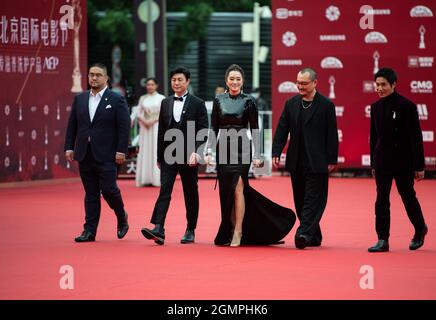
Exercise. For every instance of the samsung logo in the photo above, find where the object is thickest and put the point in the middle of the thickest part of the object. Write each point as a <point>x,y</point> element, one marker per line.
<point>379,12</point>
<point>332,37</point>
<point>283,13</point>
<point>289,62</point>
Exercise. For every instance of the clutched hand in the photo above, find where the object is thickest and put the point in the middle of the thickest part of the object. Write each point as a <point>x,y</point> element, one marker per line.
<point>419,175</point>
<point>194,159</point>
<point>69,154</point>
<point>209,160</point>
<point>120,158</point>
<point>276,162</point>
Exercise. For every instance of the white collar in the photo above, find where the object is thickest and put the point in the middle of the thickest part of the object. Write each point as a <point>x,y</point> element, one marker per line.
<point>183,96</point>
<point>100,93</point>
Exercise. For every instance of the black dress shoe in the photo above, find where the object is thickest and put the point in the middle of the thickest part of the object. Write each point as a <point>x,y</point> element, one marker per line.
<point>157,234</point>
<point>86,236</point>
<point>380,246</point>
<point>418,239</point>
<point>301,241</point>
<point>188,237</point>
<point>123,227</point>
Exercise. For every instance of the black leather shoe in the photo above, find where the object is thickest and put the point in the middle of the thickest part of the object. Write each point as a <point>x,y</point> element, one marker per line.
<point>86,236</point>
<point>418,239</point>
<point>301,241</point>
<point>123,227</point>
<point>380,246</point>
<point>188,237</point>
<point>157,234</point>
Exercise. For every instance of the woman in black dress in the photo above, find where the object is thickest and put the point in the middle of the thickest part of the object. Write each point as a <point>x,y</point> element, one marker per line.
<point>247,217</point>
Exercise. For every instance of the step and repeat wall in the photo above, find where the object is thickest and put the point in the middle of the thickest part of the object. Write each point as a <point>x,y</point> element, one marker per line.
<point>43,64</point>
<point>346,42</point>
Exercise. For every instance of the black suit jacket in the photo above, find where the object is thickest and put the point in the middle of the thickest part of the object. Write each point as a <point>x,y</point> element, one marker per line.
<point>108,133</point>
<point>385,149</point>
<point>321,134</point>
<point>194,110</point>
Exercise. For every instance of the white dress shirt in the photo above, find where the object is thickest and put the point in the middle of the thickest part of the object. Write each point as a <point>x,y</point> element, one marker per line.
<point>94,100</point>
<point>178,107</point>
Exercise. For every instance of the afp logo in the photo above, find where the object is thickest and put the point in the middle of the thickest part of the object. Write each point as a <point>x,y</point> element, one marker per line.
<point>51,63</point>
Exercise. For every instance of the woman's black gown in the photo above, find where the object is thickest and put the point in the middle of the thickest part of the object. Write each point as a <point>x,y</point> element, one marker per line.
<point>265,222</point>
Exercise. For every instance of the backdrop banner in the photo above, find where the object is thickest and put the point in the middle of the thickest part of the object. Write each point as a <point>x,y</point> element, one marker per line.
<point>43,64</point>
<point>346,42</point>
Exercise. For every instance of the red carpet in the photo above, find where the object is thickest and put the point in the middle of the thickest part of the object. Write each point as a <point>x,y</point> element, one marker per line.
<point>39,223</point>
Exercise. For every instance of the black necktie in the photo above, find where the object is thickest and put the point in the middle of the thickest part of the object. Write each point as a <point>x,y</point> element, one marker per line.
<point>178,98</point>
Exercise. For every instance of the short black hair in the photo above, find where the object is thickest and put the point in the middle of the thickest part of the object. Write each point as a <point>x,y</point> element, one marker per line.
<point>183,70</point>
<point>152,79</point>
<point>387,73</point>
<point>99,65</point>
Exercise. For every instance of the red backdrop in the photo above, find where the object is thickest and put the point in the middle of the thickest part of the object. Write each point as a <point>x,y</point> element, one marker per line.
<point>42,43</point>
<point>346,47</point>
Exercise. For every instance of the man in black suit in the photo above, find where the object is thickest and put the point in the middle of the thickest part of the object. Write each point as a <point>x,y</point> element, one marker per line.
<point>97,137</point>
<point>310,120</point>
<point>182,116</point>
<point>397,153</point>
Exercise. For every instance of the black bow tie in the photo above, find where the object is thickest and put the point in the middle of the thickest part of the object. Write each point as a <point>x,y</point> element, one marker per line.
<point>178,98</point>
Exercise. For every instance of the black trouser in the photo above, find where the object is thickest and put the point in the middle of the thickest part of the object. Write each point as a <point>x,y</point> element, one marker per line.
<point>404,182</point>
<point>310,198</point>
<point>189,176</point>
<point>99,178</point>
